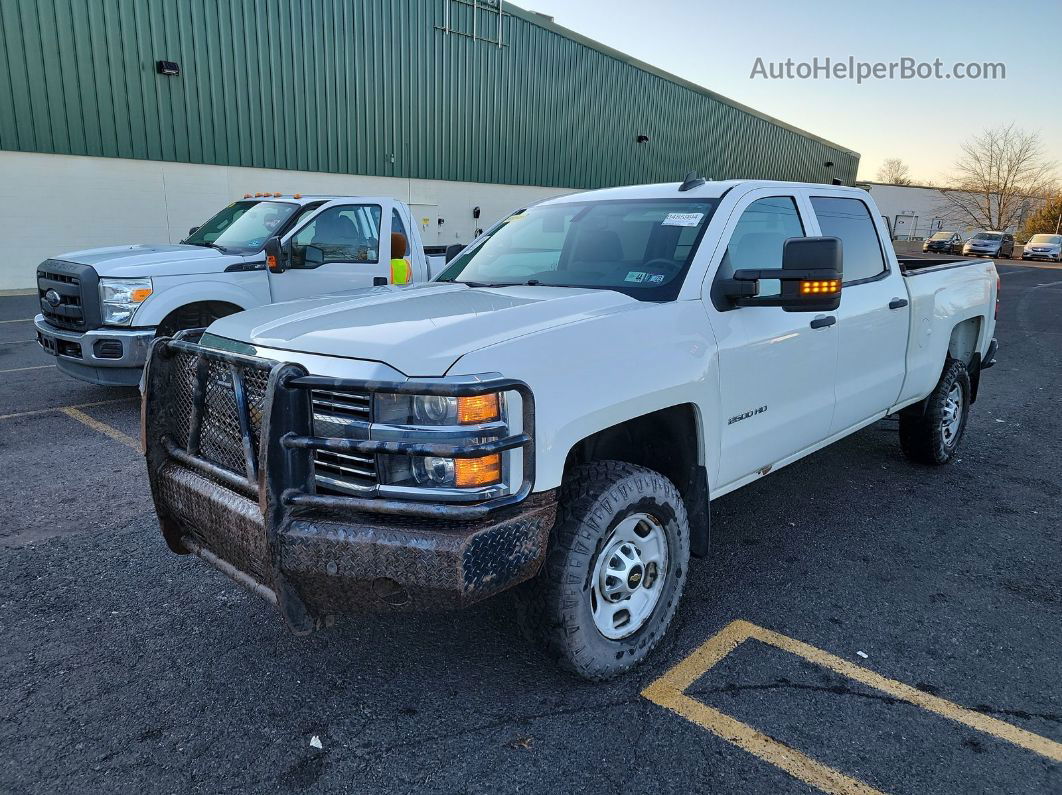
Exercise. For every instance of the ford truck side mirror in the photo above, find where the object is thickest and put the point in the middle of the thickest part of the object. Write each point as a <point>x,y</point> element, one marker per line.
<point>275,256</point>
<point>811,276</point>
<point>452,251</point>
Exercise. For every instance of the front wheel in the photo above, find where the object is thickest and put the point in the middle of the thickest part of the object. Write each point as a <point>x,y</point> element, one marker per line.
<point>614,572</point>
<point>932,436</point>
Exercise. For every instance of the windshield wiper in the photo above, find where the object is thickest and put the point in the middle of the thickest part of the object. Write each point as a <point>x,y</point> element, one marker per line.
<point>222,249</point>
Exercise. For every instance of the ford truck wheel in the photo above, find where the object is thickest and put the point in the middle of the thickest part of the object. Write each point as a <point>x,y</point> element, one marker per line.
<point>932,436</point>
<point>614,571</point>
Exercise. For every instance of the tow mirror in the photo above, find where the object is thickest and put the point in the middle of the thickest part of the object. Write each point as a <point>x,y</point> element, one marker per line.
<point>275,256</point>
<point>452,251</point>
<point>811,276</point>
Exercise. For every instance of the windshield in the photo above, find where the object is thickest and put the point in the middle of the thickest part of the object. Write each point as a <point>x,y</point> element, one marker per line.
<point>640,247</point>
<point>243,227</point>
<point>941,236</point>
<point>1045,240</point>
<point>987,236</point>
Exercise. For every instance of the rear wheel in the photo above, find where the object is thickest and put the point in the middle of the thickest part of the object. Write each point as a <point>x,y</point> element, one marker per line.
<point>614,572</point>
<point>932,436</point>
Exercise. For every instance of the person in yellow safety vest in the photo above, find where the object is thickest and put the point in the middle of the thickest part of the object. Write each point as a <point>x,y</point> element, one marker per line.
<point>401,271</point>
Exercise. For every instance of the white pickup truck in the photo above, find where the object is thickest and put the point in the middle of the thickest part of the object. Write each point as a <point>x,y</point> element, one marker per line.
<point>101,308</point>
<point>558,408</point>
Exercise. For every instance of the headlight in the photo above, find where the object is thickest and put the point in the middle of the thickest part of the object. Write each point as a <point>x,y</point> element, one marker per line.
<point>436,410</point>
<point>121,297</point>
<point>449,419</point>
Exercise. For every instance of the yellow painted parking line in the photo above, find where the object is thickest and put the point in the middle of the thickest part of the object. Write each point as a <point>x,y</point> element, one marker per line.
<point>669,691</point>
<point>102,427</point>
<point>35,412</point>
<point>23,369</point>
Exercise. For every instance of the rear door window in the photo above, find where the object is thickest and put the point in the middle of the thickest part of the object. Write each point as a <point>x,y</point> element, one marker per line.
<point>850,220</point>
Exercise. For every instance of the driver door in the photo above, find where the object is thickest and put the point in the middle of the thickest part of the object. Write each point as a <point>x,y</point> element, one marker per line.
<point>777,368</point>
<point>337,248</point>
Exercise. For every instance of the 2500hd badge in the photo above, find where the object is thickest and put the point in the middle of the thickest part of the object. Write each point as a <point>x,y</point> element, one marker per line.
<point>746,415</point>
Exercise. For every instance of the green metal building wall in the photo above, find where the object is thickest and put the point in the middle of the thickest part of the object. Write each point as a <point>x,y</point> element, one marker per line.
<point>374,87</point>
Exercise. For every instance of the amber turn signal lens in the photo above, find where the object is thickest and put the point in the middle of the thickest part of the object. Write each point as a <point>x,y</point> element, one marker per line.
<point>820,287</point>
<point>139,296</point>
<point>271,262</point>
<point>471,472</point>
<point>481,408</point>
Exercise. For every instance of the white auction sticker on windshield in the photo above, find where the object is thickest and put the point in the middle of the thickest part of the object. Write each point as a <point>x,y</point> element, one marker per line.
<point>636,276</point>
<point>682,219</point>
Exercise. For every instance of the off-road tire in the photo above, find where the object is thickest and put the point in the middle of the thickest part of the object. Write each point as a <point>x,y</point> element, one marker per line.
<point>554,608</point>
<point>921,433</point>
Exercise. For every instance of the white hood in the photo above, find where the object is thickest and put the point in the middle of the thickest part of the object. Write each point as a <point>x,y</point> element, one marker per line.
<point>419,330</point>
<point>165,259</point>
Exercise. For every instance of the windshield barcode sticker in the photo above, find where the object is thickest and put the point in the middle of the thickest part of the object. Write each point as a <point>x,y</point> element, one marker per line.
<point>682,219</point>
<point>636,276</point>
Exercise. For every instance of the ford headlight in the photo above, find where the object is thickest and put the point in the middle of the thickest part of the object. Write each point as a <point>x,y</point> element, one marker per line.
<point>120,298</point>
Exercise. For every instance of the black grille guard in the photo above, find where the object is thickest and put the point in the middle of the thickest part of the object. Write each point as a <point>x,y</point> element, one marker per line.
<point>278,466</point>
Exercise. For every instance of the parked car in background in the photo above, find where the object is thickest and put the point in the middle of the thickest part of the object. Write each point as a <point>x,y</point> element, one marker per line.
<point>1043,247</point>
<point>990,244</point>
<point>101,308</point>
<point>556,410</point>
<point>944,243</point>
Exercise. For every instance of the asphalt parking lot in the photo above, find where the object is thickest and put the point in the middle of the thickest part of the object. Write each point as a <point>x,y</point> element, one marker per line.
<point>861,625</point>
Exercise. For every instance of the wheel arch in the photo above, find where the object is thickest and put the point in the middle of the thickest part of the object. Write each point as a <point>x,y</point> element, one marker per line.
<point>213,308</point>
<point>668,441</point>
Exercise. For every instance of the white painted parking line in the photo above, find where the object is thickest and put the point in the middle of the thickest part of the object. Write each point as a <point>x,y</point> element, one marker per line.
<point>22,369</point>
<point>35,412</point>
<point>17,342</point>
<point>19,320</point>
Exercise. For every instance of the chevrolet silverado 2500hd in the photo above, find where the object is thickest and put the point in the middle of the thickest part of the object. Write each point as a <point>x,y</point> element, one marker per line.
<point>101,308</point>
<point>557,409</point>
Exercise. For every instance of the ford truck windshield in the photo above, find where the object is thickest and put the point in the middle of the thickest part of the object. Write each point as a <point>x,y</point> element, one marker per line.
<point>243,227</point>
<point>641,247</point>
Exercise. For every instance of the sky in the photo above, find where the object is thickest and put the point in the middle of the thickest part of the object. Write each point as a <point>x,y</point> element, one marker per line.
<point>715,44</point>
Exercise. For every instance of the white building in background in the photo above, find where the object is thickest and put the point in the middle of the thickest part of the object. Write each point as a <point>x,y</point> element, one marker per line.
<point>914,212</point>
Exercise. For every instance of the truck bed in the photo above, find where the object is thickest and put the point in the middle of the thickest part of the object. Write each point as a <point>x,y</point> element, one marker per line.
<point>914,266</point>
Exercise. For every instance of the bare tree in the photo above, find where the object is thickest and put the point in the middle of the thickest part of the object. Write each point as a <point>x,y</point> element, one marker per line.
<point>894,172</point>
<point>1000,175</point>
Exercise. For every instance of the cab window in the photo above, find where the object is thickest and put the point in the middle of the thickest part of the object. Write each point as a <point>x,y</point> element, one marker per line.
<point>349,233</point>
<point>759,237</point>
<point>850,220</point>
<point>399,227</point>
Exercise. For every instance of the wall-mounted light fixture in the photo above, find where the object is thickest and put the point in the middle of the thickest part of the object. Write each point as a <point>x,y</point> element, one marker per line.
<point>642,139</point>
<point>475,212</point>
<point>170,68</point>
<point>829,164</point>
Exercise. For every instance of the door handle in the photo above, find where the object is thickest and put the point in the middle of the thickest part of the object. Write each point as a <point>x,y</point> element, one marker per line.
<point>823,322</point>
<point>897,303</point>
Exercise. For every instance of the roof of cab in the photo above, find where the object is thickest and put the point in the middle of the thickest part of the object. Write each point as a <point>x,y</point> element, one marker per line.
<point>709,190</point>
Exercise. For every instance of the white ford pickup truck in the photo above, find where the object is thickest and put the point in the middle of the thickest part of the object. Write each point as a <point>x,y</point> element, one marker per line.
<point>101,308</point>
<point>557,409</point>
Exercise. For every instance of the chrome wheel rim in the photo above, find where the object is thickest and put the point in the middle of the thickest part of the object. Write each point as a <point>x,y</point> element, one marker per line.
<point>629,576</point>
<point>952,417</point>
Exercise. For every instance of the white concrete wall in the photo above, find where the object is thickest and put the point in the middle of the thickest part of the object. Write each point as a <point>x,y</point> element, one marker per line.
<point>50,204</point>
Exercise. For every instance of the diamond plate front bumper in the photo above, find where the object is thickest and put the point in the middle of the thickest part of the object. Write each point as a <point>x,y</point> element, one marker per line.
<point>244,501</point>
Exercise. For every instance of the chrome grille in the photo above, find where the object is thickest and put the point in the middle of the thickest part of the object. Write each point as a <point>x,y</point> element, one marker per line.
<point>342,415</point>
